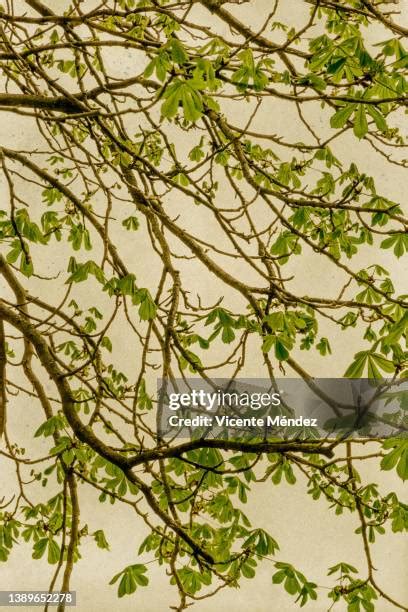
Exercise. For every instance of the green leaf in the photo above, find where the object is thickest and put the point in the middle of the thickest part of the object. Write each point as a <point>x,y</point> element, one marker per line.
<point>160,64</point>
<point>247,568</point>
<point>54,552</point>
<point>360,122</point>
<point>126,284</point>
<point>178,52</point>
<point>398,241</point>
<point>397,457</point>
<point>397,330</point>
<point>196,154</point>
<point>384,364</point>
<point>323,346</point>
<point>281,353</point>
<point>378,117</point>
<point>26,265</point>
<point>131,223</point>
<point>336,66</point>
<point>147,308</point>
<point>101,540</point>
<point>190,579</point>
<point>50,426</point>
<point>354,606</point>
<point>342,568</point>
<point>277,475</point>
<point>39,548</point>
<point>77,235</point>
<point>374,362</point>
<point>106,343</point>
<point>63,443</point>
<point>228,335</point>
<point>285,245</point>
<point>356,369</point>
<point>169,108</point>
<point>340,118</point>
<point>185,94</point>
<point>279,577</point>
<point>291,585</point>
<point>268,343</point>
<point>82,272</point>
<point>264,544</point>
<point>14,254</point>
<point>131,577</point>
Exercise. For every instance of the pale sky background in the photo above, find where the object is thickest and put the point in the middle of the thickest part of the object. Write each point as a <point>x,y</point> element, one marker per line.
<point>309,534</point>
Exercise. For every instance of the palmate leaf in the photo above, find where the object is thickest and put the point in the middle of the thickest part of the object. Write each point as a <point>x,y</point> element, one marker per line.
<point>80,272</point>
<point>50,426</point>
<point>340,118</point>
<point>101,540</point>
<point>54,551</point>
<point>399,242</point>
<point>39,548</point>
<point>127,284</point>
<point>248,568</point>
<point>360,124</point>
<point>130,578</point>
<point>160,65</point>
<point>262,542</point>
<point>397,331</point>
<point>192,580</point>
<point>374,363</point>
<point>285,245</point>
<point>26,265</point>
<point>378,117</point>
<point>15,251</point>
<point>78,236</point>
<point>342,568</point>
<point>192,103</point>
<point>185,94</point>
<point>131,223</point>
<point>147,308</point>
<point>323,347</point>
<point>281,343</point>
<point>294,582</point>
<point>397,457</point>
<point>178,52</point>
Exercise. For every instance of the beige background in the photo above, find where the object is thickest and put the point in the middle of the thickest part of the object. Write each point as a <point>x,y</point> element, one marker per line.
<point>309,534</point>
